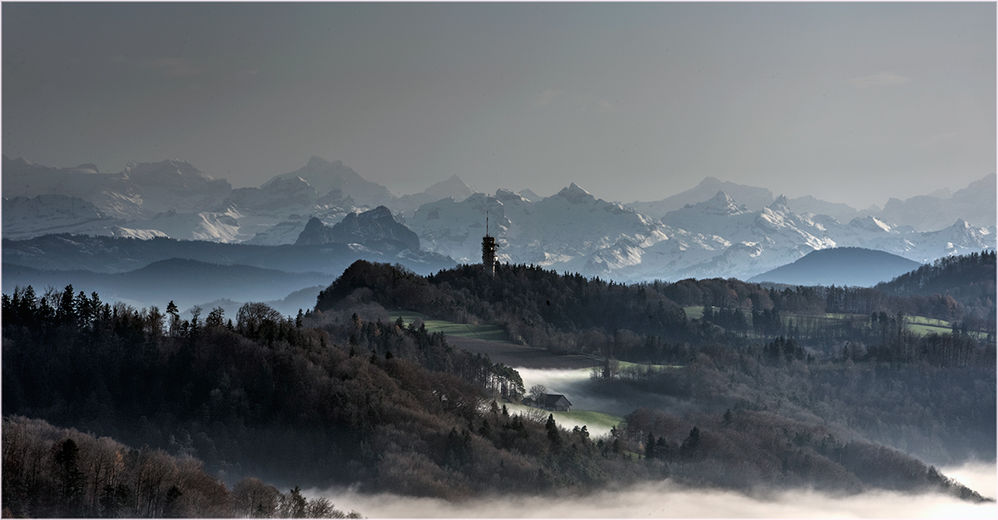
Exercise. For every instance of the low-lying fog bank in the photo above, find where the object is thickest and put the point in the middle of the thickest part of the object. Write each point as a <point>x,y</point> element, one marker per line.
<point>979,476</point>
<point>665,499</point>
<point>571,383</point>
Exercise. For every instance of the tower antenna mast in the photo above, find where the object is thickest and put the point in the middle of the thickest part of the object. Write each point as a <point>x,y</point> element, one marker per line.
<point>488,249</point>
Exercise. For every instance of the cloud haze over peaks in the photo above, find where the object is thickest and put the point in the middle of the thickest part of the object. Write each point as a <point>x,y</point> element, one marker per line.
<point>633,101</point>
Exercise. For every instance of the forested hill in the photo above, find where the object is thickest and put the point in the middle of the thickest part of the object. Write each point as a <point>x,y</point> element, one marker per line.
<point>527,299</point>
<point>565,312</point>
<point>968,279</point>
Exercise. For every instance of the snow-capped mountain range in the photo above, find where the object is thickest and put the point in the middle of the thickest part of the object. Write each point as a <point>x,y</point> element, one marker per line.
<point>717,228</point>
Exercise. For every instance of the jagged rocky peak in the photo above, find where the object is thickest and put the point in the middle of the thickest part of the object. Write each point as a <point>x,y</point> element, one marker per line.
<point>377,226</point>
<point>376,229</point>
<point>574,193</point>
<point>504,195</point>
<point>168,166</point>
<point>327,176</point>
<point>172,174</point>
<point>720,203</point>
<point>529,195</point>
<point>780,204</point>
<point>314,225</point>
<point>870,223</point>
<point>380,213</point>
<point>721,198</point>
<point>289,184</point>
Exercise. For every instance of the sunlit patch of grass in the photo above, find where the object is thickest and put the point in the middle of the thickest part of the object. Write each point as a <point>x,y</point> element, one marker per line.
<point>923,329</point>
<point>627,365</point>
<point>598,423</point>
<point>590,417</point>
<point>919,325</point>
<point>486,331</point>
<point>922,320</point>
<point>694,312</point>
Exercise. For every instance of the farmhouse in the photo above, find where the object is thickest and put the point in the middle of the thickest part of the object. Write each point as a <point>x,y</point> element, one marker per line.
<point>553,402</point>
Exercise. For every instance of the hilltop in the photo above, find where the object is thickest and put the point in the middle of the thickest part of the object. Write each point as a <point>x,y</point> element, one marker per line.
<point>852,266</point>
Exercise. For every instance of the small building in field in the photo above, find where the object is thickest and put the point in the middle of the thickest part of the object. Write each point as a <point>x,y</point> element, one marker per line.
<point>553,402</point>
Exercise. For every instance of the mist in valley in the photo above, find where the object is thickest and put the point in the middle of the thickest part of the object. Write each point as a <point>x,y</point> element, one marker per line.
<point>669,500</point>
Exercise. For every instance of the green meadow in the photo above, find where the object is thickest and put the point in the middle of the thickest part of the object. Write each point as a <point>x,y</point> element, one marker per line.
<point>486,331</point>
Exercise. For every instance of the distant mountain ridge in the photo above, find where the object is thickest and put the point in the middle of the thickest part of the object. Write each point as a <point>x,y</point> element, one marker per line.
<point>113,255</point>
<point>376,228</point>
<point>753,197</point>
<point>559,231</point>
<point>974,204</point>
<point>732,231</point>
<point>841,266</point>
<point>190,282</point>
<point>328,176</point>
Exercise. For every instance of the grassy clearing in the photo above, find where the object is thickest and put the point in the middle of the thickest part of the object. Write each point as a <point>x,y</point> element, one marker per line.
<point>919,325</point>
<point>627,365</point>
<point>590,417</point>
<point>922,329</point>
<point>598,423</point>
<point>486,331</point>
<point>694,312</point>
<point>922,320</point>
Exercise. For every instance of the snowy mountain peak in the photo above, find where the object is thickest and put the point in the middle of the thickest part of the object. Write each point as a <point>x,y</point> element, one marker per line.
<point>504,195</point>
<point>86,168</point>
<point>327,176</point>
<point>721,197</point>
<point>171,174</point>
<point>719,204</point>
<point>870,223</point>
<point>529,195</point>
<point>780,204</point>
<point>574,193</point>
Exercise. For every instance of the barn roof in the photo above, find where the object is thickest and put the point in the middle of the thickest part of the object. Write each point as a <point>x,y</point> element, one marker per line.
<point>552,399</point>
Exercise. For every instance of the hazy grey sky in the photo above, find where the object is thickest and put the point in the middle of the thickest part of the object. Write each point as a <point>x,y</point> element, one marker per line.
<point>849,102</point>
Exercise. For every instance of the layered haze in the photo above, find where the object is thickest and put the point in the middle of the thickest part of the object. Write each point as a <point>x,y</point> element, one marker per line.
<point>852,102</point>
<point>668,500</point>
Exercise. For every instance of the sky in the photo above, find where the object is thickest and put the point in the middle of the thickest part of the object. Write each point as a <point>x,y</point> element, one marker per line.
<point>849,102</point>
